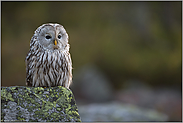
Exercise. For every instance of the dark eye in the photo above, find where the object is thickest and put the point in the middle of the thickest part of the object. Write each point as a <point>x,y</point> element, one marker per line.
<point>59,36</point>
<point>48,37</point>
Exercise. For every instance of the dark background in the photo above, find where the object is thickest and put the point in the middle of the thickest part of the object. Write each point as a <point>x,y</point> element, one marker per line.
<point>139,41</point>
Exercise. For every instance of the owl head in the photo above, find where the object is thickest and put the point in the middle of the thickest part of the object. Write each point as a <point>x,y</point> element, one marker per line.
<point>51,37</point>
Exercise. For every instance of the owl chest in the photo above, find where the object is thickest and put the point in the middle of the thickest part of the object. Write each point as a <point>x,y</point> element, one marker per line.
<point>46,63</point>
<point>49,69</point>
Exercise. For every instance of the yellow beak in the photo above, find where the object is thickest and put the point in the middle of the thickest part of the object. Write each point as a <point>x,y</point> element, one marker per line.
<point>55,42</point>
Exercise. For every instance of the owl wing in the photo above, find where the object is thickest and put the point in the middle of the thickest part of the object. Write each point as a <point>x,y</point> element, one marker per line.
<point>28,69</point>
<point>29,60</point>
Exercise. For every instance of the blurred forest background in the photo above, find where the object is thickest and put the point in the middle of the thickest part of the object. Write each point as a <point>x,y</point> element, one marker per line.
<point>114,46</point>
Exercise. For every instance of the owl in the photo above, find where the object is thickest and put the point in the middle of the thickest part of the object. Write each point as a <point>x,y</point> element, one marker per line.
<point>48,62</point>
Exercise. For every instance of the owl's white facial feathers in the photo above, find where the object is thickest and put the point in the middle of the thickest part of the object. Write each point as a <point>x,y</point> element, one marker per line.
<point>49,33</point>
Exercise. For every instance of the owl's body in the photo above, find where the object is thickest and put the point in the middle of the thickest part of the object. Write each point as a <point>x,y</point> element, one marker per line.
<point>48,62</point>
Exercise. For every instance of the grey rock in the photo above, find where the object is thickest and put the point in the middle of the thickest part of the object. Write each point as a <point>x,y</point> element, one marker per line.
<point>33,104</point>
<point>119,112</point>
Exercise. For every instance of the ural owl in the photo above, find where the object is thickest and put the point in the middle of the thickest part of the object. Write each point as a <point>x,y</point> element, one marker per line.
<point>48,62</point>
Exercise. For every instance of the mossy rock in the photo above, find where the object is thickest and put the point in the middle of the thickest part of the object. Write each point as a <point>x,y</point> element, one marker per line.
<point>33,104</point>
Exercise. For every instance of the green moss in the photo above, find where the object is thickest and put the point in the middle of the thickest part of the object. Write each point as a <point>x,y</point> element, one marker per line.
<point>46,114</point>
<point>20,119</point>
<point>58,109</point>
<point>54,115</point>
<point>36,112</point>
<point>48,106</point>
<point>5,95</point>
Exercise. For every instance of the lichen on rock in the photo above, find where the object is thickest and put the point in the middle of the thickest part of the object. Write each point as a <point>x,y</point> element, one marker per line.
<point>33,104</point>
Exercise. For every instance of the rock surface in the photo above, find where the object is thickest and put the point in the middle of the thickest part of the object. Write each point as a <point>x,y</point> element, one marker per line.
<point>32,104</point>
<point>118,112</point>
